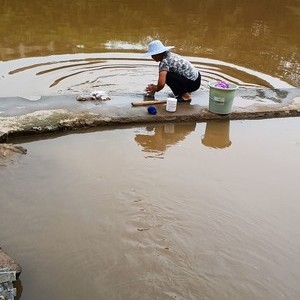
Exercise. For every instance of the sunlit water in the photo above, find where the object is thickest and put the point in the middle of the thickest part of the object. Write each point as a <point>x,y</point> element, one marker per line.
<point>169,211</point>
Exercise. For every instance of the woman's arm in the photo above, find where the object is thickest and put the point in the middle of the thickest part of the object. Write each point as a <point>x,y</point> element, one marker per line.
<point>152,88</point>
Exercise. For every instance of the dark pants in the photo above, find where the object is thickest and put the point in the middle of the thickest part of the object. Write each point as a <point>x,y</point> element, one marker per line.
<point>180,84</point>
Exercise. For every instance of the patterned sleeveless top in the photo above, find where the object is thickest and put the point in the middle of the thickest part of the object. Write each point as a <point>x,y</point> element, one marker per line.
<point>177,64</point>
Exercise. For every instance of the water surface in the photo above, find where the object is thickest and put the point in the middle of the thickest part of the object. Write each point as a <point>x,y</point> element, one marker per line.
<point>170,211</point>
<point>178,213</point>
<point>251,44</point>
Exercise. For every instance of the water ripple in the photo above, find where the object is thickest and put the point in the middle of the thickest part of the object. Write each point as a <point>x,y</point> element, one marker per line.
<point>117,73</point>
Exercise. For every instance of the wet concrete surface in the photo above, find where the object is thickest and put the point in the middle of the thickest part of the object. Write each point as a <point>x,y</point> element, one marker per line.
<point>20,116</point>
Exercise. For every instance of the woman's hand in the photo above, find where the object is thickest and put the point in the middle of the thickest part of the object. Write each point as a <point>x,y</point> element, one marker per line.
<point>151,88</point>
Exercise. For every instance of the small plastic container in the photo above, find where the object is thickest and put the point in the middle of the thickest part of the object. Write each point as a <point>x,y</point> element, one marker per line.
<point>171,104</point>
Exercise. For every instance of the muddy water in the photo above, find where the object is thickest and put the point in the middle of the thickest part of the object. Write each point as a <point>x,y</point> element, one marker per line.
<point>184,211</point>
<point>75,46</point>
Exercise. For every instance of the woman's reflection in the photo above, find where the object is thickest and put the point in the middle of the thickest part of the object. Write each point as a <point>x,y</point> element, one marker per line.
<point>158,138</point>
<point>217,134</point>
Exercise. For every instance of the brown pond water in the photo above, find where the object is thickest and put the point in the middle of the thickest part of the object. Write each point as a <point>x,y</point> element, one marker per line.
<point>170,211</point>
<point>74,46</point>
<point>183,211</point>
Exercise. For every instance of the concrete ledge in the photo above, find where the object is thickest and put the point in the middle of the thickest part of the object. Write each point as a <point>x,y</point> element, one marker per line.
<point>9,263</point>
<point>87,115</point>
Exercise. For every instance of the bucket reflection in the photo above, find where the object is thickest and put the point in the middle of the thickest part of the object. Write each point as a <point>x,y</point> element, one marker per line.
<point>158,138</point>
<point>217,134</point>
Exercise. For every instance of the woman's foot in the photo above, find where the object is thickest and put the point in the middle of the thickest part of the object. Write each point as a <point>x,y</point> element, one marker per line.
<point>186,97</point>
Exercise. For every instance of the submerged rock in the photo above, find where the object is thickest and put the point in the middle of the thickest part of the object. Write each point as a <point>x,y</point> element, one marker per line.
<point>3,136</point>
<point>8,152</point>
<point>6,262</point>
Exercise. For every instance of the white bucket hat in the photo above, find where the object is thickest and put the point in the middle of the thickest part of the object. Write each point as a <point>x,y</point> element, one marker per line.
<point>157,47</point>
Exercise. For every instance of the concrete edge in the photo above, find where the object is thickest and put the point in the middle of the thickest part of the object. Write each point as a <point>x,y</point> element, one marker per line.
<point>51,121</point>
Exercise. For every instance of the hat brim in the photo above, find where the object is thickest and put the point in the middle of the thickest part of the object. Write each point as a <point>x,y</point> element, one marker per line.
<point>166,48</point>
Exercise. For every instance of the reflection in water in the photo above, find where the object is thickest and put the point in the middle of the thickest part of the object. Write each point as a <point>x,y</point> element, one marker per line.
<point>217,134</point>
<point>161,136</point>
<point>87,214</point>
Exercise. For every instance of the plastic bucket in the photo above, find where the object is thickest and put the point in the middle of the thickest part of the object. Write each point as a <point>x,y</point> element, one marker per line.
<point>221,100</point>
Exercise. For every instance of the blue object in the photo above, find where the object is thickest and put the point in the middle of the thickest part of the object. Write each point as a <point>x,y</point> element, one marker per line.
<point>152,110</point>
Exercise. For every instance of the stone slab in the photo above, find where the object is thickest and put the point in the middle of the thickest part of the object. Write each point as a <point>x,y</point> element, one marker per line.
<point>21,117</point>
